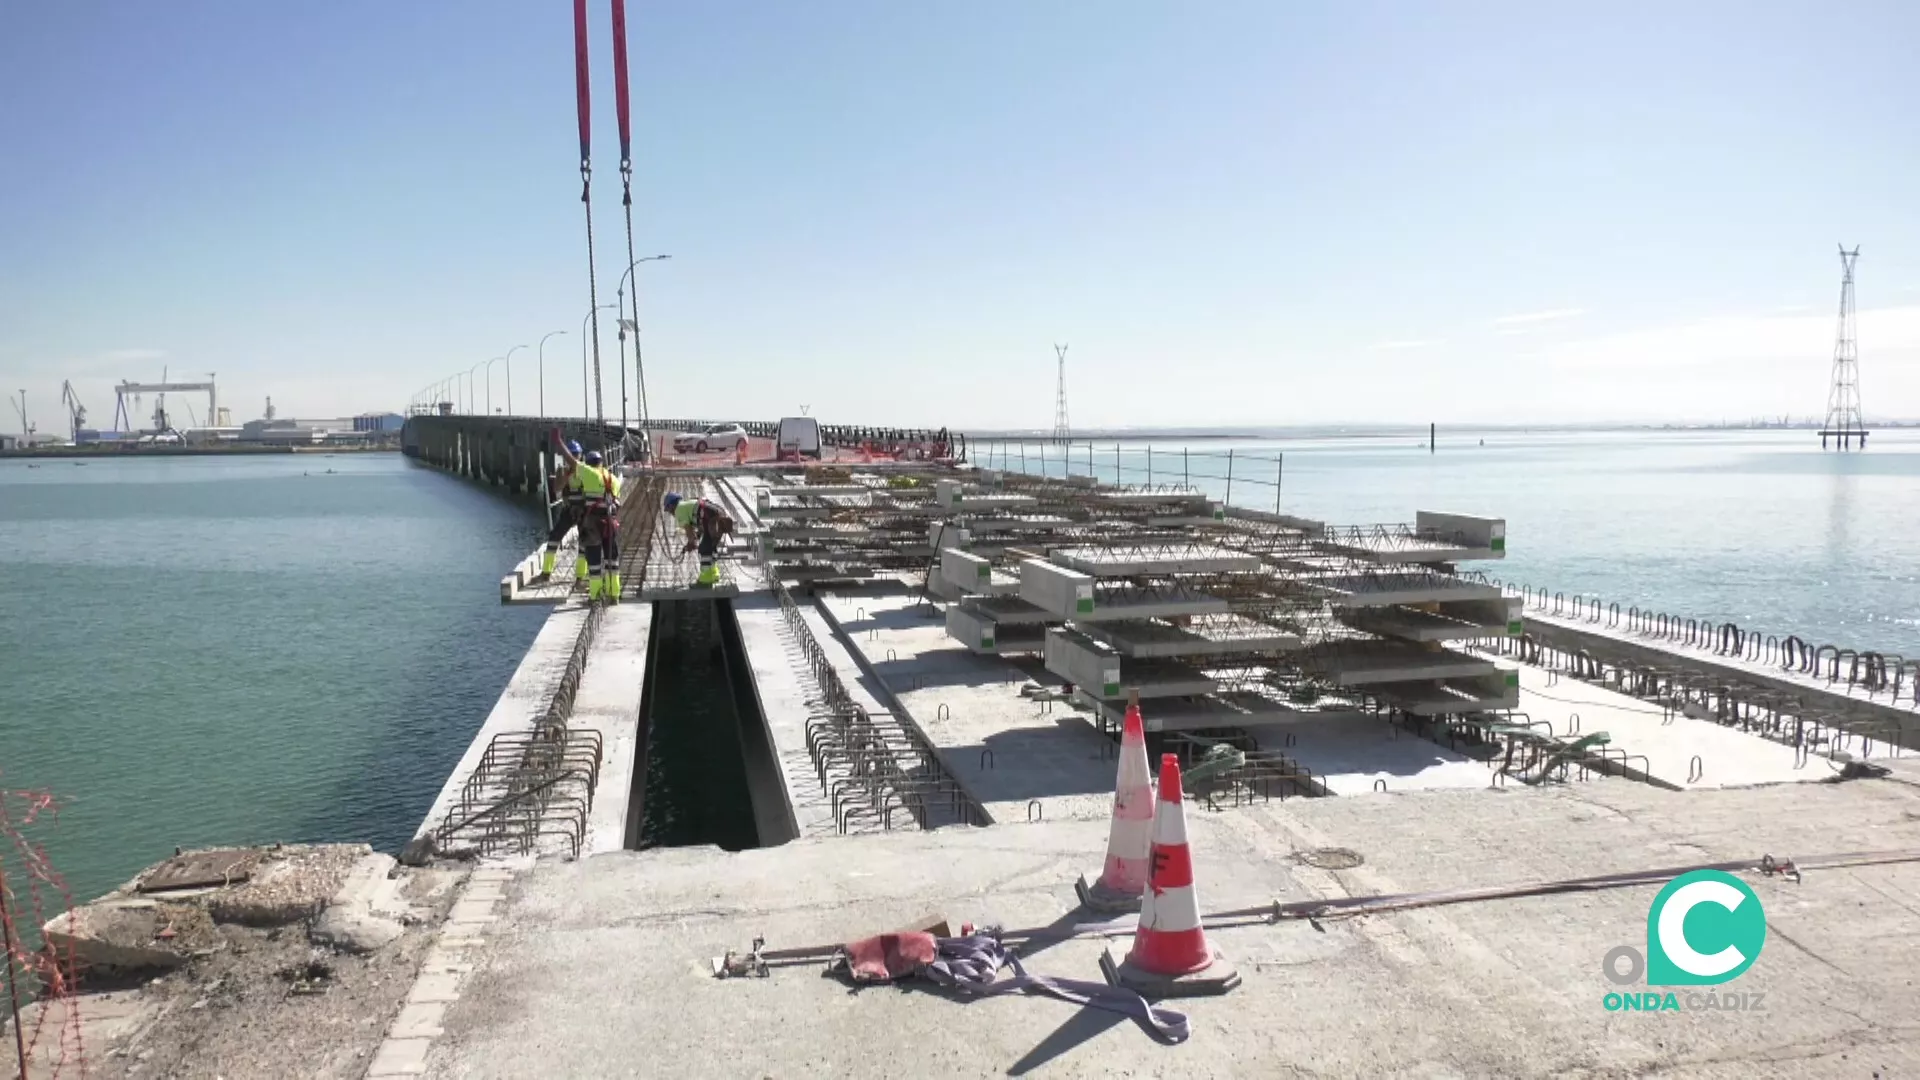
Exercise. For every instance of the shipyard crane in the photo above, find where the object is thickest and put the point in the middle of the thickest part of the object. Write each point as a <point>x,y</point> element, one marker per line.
<point>122,418</point>
<point>76,412</point>
<point>26,429</point>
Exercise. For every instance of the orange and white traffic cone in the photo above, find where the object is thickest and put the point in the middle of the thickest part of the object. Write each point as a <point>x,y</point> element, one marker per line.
<point>1170,956</point>
<point>1119,884</point>
<point>740,452</point>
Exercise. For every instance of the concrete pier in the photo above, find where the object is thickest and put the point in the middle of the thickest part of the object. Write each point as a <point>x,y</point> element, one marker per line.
<point>898,771</point>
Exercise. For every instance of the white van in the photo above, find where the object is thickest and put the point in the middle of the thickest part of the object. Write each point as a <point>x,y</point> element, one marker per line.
<point>798,436</point>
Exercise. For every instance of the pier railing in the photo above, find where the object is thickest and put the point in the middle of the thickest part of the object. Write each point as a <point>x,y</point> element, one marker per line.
<point>1248,479</point>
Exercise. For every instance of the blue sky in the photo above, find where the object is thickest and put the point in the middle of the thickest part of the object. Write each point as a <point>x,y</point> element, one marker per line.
<point>1235,213</point>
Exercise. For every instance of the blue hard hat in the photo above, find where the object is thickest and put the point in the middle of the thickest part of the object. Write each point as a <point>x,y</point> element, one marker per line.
<point>573,448</point>
<point>592,458</point>
<point>672,500</point>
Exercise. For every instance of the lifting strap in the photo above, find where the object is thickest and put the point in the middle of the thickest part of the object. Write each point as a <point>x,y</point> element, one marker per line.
<point>581,89</point>
<point>626,201</point>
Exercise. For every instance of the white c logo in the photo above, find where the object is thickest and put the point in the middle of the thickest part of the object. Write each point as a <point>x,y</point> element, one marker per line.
<point>1673,935</point>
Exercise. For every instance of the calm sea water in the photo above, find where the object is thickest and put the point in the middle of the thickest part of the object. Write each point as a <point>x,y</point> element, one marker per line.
<point>203,650</point>
<point>215,650</point>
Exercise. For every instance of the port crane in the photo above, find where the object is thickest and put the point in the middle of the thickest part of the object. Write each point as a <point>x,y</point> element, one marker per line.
<point>76,412</point>
<point>20,407</point>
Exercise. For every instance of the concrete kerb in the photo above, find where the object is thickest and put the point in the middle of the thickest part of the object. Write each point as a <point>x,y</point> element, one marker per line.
<point>437,984</point>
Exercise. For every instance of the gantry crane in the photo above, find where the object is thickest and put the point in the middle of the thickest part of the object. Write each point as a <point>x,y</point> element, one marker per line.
<point>122,418</point>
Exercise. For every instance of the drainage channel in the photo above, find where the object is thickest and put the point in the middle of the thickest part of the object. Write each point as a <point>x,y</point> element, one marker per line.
<point>707,774</point>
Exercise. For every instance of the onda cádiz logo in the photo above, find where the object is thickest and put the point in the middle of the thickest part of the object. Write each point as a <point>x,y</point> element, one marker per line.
<point>1705,928</point>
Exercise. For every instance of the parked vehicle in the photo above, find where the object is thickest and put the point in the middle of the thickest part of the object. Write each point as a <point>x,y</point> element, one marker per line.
<point>797,436</point>
<point>727,437</point>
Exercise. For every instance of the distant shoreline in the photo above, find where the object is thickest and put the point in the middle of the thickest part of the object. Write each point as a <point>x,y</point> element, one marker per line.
<point>55,453</point>
<point>1390,431</point>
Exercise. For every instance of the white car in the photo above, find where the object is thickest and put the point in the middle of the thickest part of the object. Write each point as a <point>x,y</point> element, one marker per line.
<point>726,437</point>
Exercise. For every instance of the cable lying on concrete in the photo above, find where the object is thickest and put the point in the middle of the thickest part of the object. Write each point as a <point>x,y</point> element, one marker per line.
<point>1346,907</point>
<point>1349,907</point>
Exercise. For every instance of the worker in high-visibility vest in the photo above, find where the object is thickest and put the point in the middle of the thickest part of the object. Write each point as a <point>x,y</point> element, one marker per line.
<point>599,495</point>
<point>566,513</point>
<point>706,526</point>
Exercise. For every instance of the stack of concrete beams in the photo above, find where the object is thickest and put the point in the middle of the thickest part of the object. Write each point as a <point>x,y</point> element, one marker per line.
<point>847,531</point>
<point>1160,621</point>
<point>1255,620</point>
<point>997,530</point>
<point>1402,586</point>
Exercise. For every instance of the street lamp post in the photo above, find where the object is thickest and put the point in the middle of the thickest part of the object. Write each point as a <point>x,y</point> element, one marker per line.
<point>490,364</point>
<point>470,387</point>
<point>542,353</point>
<point>639,372</point>
<point>509,359</point>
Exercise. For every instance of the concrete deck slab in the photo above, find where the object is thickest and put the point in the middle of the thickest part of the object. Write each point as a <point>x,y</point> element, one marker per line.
<point>1409,624</point>
<point>1166,559</point>
<point>783,688</point>
<point>1361,755</point>
<point>600,966</point>
<point>608,701</point>
<point>1214,635</point>
<point>1728,757</point>
<point>1604,640</point>
<point>1009,750</point>
<point>1128,602</point>
<point>1389,589</point>
<point>1363,663</point>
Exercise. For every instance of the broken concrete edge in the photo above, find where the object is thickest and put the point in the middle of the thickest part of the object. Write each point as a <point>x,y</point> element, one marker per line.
<point>347,894</point>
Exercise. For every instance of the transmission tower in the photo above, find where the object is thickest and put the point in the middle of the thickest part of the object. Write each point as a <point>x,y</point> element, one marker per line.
<point>1060,430</point>
<point>1843,398</point>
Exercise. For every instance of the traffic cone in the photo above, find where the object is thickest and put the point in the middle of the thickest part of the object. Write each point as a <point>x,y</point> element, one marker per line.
<point>1170,956</point>
<point>1119,884</point>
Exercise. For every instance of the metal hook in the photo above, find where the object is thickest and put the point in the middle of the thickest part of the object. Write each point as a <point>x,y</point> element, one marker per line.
<point>1035,812</point>
<point>986,758</point>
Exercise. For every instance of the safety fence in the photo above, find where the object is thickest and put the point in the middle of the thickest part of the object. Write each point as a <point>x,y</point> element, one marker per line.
<point>532,784</point>
<point>872,766</point>
<point>632,441</point>
<point>1249,479</point>
<point>42,1020</point>
<point>1874,672</point>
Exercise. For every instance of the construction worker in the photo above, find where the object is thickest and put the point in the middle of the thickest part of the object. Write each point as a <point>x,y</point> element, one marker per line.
<point>599,493</point>
<point>707,527</point>
<point>566,514</point>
